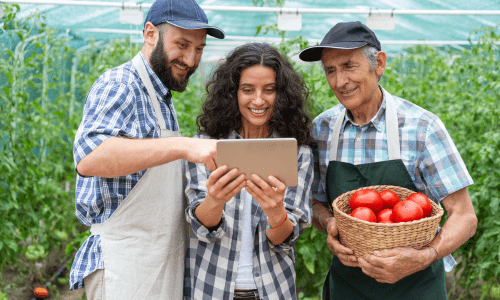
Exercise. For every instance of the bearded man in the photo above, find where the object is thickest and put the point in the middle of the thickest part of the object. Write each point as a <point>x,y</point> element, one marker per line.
<point>129,156</point>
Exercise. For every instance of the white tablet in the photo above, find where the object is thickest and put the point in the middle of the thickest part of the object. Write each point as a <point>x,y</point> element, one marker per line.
<point>264,157</point>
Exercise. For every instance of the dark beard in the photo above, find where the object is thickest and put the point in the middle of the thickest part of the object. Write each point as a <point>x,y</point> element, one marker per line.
<point>163,68</point>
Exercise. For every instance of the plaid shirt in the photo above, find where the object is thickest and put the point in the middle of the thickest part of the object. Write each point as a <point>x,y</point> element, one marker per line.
<point>212,257</point>
<point>427,150</point>
<point>116,105</point>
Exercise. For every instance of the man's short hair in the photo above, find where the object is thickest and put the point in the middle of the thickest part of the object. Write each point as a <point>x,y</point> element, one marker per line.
<point>370,54</point>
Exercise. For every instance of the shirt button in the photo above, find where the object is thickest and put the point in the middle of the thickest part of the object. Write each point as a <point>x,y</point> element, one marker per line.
<point>357,160</point>
<point>257,274</point>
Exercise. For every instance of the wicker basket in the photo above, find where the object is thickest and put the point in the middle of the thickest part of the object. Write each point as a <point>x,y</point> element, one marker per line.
<point>364,237</point>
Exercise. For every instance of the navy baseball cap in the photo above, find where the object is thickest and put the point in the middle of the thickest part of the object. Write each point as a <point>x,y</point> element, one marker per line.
<point>186,14</point>
<point>344,35</point>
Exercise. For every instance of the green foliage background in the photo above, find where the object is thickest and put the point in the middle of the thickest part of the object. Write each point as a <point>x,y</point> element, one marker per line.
<point>43,83</point>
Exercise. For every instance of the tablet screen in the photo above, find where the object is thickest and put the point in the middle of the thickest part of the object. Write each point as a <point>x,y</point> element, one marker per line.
<point>264,157</point>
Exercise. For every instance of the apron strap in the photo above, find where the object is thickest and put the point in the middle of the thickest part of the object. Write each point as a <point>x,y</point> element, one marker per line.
<point>143,74</point>
<point>335,136</point>
<point>391,118</point>
<point>391,125</point>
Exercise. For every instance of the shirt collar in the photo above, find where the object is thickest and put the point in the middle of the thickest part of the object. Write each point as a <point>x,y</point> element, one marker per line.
<point>163,93</point>
<point>377,121</point>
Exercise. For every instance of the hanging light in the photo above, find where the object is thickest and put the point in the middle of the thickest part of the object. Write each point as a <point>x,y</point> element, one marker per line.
<point>378,21</point>
<point>131,15</point>
<point>289,21</point>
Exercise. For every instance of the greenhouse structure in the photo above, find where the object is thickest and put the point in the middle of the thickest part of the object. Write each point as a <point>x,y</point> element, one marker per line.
<point>442,55</point>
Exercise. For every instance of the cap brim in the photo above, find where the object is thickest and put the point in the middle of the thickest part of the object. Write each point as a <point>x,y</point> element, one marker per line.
<point>313,53</point>
<point>190,24</point>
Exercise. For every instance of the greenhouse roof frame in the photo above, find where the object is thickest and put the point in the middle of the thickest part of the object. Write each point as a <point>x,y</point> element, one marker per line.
<point>141,5</point>
<point>435,25</point>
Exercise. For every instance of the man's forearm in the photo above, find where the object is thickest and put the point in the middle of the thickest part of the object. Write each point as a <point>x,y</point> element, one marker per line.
<point>321,215</point>
<point>121,156</point>
<point>460,225</point>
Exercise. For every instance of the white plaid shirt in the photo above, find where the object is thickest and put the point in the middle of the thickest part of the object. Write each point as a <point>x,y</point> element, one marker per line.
<point>427,150</point>
<point>116,105</point>
<point>212,257</point>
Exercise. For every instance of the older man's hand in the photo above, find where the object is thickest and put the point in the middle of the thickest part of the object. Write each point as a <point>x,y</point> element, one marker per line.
<point>344,254</point>
<point>392,265</point>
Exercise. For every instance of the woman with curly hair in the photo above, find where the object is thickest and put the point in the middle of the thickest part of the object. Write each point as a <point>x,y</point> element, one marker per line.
<point>243,231</point>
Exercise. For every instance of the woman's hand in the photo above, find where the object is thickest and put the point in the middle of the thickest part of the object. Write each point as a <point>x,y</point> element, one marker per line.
<point>269,197</point>
<point>221,188</point>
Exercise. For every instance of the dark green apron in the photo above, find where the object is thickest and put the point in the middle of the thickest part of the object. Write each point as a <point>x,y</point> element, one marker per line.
<point>343,282</point>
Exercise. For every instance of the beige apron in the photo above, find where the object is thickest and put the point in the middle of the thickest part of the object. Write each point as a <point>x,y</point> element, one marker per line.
<point>144,242</point>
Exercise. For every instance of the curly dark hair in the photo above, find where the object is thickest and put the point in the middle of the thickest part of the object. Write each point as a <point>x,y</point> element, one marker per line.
<point>220,112</point>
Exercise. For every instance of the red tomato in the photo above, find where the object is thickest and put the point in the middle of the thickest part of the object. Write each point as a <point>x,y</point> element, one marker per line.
<point>423,201</point>
<point>385,215</point>
<point>366,198</point>
<point>406,211</point>
<point>386,222</point>
<point>364,213</point>
<point>41,292</point>
<point>390,198</point>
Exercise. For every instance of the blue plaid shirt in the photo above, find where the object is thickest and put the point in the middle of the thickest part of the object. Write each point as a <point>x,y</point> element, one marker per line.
<point>427,150</point>
<point>212,257</point>
<point>116,105</point>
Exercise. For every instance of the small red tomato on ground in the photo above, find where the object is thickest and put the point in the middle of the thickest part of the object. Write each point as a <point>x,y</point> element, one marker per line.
<point>364,213</point>
<point>406,211</point>
<point>384,215</point>
<point>367,198</point>
<point>40,292</point>
<point>423,201</point>
<point>389,197</point>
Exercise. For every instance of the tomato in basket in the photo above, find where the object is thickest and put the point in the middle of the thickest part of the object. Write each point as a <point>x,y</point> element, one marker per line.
<point>389,197</point>
<point>385,216</point>
<point>423,201</point>
<point>364,213</point>
<point>407,211</point>
<point>367,198</point>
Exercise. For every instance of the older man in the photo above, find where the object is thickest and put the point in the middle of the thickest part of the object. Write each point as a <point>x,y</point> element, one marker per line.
<point>374,138</point>
<point>128,153</point>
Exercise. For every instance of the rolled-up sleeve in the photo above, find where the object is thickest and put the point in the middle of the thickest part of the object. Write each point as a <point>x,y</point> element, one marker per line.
<point>298,200</point>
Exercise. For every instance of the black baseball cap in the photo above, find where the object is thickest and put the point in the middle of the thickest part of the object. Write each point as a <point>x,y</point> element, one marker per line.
<point>344,35</point>
<point>186,14</point>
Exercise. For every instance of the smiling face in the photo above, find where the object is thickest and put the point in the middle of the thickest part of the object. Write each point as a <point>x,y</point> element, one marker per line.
<point>177,55</point>
<point>349,76</point>
<point>256,98</point>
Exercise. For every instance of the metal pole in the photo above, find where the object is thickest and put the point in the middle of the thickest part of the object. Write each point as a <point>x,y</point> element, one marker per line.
<point>269,9</point>
<point>214,41</point>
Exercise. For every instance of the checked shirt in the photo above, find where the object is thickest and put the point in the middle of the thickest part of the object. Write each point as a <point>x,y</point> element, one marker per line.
<point>212,257</point>
<point>117,105</point>
<point>427,150</point>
